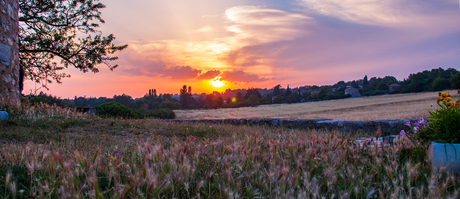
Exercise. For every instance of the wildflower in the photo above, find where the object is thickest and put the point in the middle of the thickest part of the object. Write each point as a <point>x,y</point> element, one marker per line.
<point>423,120</point>
<point>448,99</point>
<point>440,99</point>
<point>117,152</point>
<point>443,95</point>
<point>417,123</point>
<point>407,123</point>
<point>416,129</point>
<point>402,132</point>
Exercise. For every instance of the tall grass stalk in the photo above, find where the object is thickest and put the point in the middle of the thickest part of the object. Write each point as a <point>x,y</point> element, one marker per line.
<point>113,158</point>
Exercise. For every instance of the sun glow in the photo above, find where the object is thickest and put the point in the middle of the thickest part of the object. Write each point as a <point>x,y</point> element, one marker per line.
<point>216,82</point>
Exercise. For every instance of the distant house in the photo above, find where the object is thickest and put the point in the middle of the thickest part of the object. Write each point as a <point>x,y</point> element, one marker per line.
<point>302,91</point>
<point>393,86</point>
<point>352,91</point>
<point>315,92</point>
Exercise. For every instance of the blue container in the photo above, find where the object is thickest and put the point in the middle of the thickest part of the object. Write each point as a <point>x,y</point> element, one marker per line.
<point>3,115</point>
<point>445,155</point>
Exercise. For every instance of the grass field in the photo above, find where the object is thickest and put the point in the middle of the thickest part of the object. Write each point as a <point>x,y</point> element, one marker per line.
<point>398,106</point>
<point>47,152</point>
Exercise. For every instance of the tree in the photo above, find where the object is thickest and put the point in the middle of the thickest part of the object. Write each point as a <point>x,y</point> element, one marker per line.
<point>184,96</point>
<point>365,82</point>
<point>239,97</point>
<point>64,30</point>
<point>440,84</point>
<point>288,91</point>
<point>455,80</point>
<point>125,100</point>
<point>277,90</point>
<point>252,91</point>
<point>382,86</point>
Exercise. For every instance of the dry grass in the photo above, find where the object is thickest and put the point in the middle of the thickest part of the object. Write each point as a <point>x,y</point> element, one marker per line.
<point>48,152</point>
<point>398,106</point>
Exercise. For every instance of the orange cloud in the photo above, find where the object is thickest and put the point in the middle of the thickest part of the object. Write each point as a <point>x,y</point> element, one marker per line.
<point>180,72</point>
<point>248,25</point>
<point>209,74</point>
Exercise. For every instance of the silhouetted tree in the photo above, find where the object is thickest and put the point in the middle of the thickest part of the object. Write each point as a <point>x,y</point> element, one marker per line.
<point>125,100</point>
<point>288,91</point>
<point>277,90</point>
<point>365,81</point>
<point>64,30</point>
<point>239,97</point>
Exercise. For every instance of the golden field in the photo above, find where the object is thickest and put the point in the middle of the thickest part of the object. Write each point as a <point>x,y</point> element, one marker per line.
<point>397,106</point>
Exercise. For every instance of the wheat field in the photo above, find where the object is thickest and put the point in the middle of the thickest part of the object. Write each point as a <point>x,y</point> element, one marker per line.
<point>397,106</point>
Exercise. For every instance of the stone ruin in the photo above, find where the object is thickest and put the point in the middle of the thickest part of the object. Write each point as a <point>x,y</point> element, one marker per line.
<point>9,52</point>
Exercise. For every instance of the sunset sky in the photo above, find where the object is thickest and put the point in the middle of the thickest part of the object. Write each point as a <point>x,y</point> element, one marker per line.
<point>262,43</point>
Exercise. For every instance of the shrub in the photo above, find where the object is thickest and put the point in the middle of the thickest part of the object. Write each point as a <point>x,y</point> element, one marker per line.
<point>115,109</point>
<point>444,123</point>
<point>162,113</point>
<point>170,104</point>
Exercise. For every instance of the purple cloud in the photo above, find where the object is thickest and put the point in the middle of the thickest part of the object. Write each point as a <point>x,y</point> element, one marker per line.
<point>240,76</point>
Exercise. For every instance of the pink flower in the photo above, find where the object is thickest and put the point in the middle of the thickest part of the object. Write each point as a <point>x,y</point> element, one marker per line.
<point>402,132</point>
<point>407,123</point>
<point>423,120</point>
<point>416,129</point>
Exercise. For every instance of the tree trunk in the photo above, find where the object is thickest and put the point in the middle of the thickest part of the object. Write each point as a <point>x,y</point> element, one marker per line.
<point>9,59</point>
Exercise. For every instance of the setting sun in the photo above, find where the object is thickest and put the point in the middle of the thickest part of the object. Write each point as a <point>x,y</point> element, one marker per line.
<point>216,82</point>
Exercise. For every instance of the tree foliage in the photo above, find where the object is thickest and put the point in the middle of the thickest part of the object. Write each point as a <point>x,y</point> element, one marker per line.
<point>455,80</point>
<point>64,30</point>
<point>115,109</point>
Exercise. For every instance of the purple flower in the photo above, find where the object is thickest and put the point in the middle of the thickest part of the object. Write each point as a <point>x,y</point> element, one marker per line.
<point>407,123</point>
<point>402,132</point>
<point>417,123</point>
<point>416,129</point>
<point>117,152</point>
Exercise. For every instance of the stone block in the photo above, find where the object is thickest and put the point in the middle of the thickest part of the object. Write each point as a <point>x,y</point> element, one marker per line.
<point>5,54</point>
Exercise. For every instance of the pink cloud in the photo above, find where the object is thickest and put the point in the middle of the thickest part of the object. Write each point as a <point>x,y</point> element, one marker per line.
<point>181,72</point>
<point>241,76</point>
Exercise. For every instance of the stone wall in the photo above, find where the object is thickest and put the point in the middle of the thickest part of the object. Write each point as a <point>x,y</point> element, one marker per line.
<point>387,127</point>
<point>9,58</point>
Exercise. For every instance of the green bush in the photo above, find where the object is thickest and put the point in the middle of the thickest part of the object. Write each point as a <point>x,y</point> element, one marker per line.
<point>162,113</point>
<point>115,109</point>
<point>444,123</point>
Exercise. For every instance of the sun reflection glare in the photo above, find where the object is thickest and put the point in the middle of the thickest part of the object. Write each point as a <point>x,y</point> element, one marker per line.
<point>216,82</point>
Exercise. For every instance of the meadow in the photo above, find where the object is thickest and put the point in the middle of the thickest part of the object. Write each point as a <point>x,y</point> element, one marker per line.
<point>49,152</point>
<point>397,106</point>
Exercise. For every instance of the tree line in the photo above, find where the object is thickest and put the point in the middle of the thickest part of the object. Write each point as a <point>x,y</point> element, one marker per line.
<point>162,105</point>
